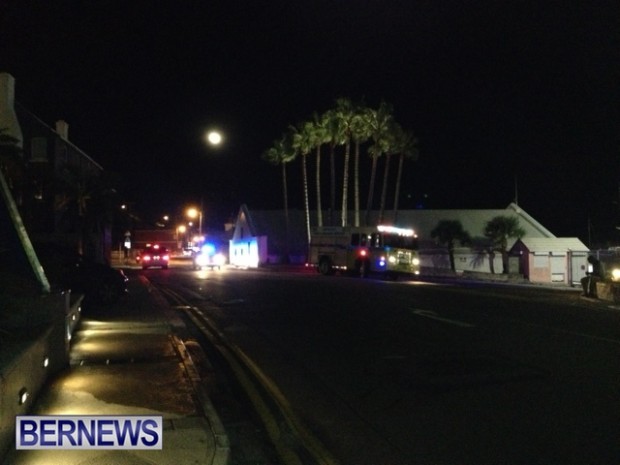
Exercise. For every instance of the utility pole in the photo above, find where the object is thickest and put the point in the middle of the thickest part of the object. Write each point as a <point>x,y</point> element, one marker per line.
<point>516,191</point>
<point>200,217</point>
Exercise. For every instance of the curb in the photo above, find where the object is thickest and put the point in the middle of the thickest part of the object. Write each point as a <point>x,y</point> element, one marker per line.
<point>221,455</point>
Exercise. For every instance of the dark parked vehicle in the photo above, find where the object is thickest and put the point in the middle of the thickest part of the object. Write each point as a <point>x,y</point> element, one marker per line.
<point>66,269</point>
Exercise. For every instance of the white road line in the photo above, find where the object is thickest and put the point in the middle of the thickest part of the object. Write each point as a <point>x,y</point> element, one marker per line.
<point>433,316</point>
<point>566,331</point>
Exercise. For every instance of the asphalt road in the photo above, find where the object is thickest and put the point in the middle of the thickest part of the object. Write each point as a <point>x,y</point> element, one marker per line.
<point>388,372</point>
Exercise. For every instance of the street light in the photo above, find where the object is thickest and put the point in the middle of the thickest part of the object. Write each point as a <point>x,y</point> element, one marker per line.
<point>180,233</point>
<point>193,213</point>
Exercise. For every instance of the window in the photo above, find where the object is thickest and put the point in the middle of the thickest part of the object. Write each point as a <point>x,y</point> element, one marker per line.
<point>359,239</point>
<point>402,242</point>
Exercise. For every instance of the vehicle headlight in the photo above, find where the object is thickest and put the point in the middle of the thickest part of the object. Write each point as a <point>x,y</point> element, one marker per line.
<point>219,259</point>
<point>416,261</point>
<point>615,274</point>
<point>202,259</point>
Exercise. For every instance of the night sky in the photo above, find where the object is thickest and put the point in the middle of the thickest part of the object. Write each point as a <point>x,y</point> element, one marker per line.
<point>507,98</point>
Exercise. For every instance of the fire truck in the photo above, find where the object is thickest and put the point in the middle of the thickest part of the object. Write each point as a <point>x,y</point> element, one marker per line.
<point>380,249</point>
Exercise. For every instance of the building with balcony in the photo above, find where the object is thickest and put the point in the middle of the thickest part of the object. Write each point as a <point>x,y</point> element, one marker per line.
<point>56,186</point>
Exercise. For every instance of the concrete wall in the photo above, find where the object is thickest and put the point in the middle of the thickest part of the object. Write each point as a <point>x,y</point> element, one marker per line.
<point>40,355</point>
<point>566,268</point>
<point>609,292</point>
<point>464,260</point>
<point>558,267</point>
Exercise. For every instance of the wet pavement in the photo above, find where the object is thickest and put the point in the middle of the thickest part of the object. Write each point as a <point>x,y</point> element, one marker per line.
<point>128,360</point>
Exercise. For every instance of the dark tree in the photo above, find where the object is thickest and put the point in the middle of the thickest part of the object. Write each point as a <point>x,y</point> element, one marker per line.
<point>447,233</point>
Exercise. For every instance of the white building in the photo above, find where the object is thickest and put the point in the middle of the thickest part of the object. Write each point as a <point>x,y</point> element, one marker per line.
<point>260,237</point>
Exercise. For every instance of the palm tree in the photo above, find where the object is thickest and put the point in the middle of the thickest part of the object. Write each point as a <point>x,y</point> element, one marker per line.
<point>484,251</point>
<point>499,229</point>
<point>335,137</point>
<point>406,146</point>
<point>360,133</point>
<point>282,153</point>
<point>302,144</point>
<point>446,233</point>
<point>379,121</point>
<point>318,138</point>
<point>344,112</point>
<point>390,149</point>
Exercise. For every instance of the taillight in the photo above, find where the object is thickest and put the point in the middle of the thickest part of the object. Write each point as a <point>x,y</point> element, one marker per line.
<point>363,252</point>
<point>166,257</point>
<point>146,258</point>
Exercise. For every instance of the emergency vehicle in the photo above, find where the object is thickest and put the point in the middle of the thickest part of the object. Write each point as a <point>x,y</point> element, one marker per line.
<point>384,250</point>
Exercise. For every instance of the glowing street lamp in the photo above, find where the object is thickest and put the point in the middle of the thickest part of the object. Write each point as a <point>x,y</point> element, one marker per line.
<point>193,213</point>
<point>181,229</point>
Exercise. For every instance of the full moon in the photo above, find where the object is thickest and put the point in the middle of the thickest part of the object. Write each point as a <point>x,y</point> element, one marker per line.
<point>214,138</point>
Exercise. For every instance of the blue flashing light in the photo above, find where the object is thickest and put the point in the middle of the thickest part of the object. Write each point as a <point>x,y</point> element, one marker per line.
<point>208,249</point>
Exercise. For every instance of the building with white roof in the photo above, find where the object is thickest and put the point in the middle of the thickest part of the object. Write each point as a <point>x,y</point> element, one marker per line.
<point>262,236</point>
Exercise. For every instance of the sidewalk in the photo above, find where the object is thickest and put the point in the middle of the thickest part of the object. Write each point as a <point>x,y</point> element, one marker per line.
<point>127,360</point>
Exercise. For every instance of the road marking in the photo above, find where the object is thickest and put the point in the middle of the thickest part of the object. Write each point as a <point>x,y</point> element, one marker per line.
<point>566,331</point>
<point>433,316</point>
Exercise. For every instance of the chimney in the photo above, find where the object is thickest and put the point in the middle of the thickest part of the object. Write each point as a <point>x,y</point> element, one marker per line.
<point>8,118</point>
<point>62,128</point>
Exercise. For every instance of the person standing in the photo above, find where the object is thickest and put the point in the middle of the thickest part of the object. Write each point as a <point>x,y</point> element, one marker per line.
<point>593,275</point>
